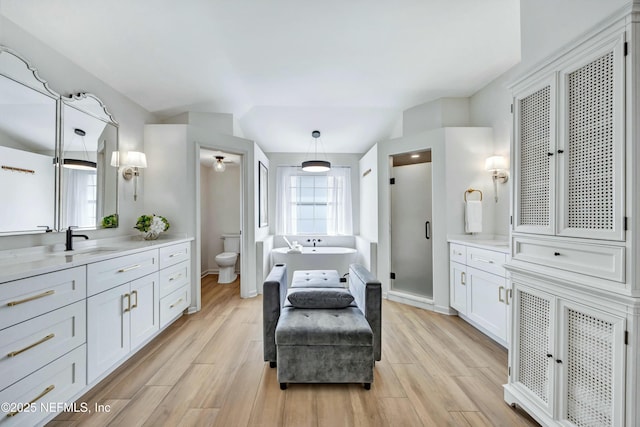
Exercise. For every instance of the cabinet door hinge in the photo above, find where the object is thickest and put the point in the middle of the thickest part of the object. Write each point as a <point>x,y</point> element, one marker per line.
<point>626,48</point>
<point>626,337</point>
<point>392,275</point>
<point>392,181</point>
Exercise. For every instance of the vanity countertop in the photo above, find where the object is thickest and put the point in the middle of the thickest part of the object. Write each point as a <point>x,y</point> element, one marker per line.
<point>20,263</point>
<point>493,243</point>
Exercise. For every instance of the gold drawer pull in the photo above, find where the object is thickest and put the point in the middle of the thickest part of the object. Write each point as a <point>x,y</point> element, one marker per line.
<point>128,308</point>
<point>463,278</point>
<point>34,400</point>
<point>500,289</point>
<point>17,352</point>
<point>177,276</point>
<point>133,267</point>
<point>22,301</point>
<point>176,303</point>
<point>135,304</point>
<point>176,254</point>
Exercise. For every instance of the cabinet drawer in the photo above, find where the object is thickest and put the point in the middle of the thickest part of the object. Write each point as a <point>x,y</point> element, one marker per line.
<point>30,345</point>
<point>174,277</point>
<point>33,296</point>
<point>174,254</point>
<point>457,253</point>
<point>47,388</point>
<point>485,260</point>
<point>606,262</point>
<point>105,275</point>
<point>174,304</point>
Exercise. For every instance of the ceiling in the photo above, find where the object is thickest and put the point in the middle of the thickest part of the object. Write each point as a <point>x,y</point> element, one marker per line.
<point>284,67</point>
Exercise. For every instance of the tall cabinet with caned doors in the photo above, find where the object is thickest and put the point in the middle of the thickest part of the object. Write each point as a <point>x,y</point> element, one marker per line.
<point>573,353</point>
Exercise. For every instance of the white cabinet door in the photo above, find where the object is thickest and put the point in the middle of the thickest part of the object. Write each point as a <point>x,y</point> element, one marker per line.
<point>532,352</point>
<point>458,286</point>
<point>533,157</point>
<point>144,309</point>
<point>591,366</point>
<point>486,303</point>
<point>107,329</point>
<point>590,153</point>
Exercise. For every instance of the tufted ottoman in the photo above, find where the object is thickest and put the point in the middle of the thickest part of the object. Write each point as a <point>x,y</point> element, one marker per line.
<point>316,279</point>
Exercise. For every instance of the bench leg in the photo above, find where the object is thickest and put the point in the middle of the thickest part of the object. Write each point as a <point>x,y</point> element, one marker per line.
<point>283,386</point>
<point>367,386</point>
<point>272,364</point>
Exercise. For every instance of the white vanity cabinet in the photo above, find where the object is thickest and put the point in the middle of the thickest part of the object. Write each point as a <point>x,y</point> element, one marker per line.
<point>175,281</point>
<point>479,288</point>
<point>121,316</point>
<point>42,340</point>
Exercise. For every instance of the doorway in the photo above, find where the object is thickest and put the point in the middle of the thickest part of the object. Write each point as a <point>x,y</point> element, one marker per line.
<point>412,224</point>
<point>220,215</point>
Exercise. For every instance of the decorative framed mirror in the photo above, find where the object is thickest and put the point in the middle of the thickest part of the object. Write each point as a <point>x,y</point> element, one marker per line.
<point>28,148</point>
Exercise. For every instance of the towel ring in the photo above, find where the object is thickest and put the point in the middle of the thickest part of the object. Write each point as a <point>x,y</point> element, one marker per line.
<point>472,190</point>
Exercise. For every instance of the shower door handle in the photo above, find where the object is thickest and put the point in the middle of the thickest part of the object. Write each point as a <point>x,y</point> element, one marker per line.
<point>427,230</point>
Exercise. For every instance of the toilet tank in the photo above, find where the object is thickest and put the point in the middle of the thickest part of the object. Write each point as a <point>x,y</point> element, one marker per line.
<point>231,243</point>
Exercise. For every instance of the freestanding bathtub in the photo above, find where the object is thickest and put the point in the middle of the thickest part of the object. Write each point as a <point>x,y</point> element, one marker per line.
<point>315,258</point>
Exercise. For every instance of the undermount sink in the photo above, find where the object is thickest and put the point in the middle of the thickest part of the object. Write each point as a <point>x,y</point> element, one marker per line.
<point>84,252</point>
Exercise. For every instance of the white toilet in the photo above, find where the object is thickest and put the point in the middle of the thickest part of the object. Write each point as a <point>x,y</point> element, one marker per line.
<point>227,259</point>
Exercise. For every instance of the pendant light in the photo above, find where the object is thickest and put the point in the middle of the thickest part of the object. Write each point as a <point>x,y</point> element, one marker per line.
<point>219,165</point>
<point>316,165</point>
<point>79,164</point>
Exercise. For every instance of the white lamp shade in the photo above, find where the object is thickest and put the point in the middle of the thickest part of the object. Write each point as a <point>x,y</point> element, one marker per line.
<point>115,159</point>
<point>495,163</point>
<point>136,159</point>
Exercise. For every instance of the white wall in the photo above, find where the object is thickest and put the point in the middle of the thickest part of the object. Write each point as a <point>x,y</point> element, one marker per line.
<point>369,194</point>
<point>443,112</point>
<point>293,159</point>
<point>66,77</point>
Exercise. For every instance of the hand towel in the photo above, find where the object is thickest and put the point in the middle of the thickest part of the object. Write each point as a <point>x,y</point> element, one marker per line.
<point>473,216</point>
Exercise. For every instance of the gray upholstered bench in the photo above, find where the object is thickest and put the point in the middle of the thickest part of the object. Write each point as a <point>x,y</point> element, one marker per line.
<point>322,345</point>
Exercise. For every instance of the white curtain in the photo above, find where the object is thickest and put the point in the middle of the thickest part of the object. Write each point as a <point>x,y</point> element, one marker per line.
<point>80,197</point>
<point>339,220</point>
<point>339,209</point>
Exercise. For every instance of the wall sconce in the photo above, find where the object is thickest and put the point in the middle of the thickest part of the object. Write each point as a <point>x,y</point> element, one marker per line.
<point>498,168</point>
<point>133,161</point>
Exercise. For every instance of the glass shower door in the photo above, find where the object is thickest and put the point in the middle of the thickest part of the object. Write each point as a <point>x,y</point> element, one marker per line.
<point>411,230</point>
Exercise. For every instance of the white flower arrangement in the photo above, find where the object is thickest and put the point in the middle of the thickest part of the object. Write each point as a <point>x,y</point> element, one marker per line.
<point>152,225</point>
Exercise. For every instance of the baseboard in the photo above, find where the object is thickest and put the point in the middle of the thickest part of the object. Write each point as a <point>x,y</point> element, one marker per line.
<point>413,300</point>
<point>445,309</point>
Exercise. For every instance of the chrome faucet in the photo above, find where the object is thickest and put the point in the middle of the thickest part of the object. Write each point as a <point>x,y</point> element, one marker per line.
<point>70,236</point>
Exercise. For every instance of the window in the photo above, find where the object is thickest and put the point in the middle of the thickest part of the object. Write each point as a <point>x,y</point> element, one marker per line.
<point>317,203</point>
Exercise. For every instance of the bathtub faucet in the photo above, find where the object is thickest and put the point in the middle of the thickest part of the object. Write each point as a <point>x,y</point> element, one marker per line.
<point>314,241</point>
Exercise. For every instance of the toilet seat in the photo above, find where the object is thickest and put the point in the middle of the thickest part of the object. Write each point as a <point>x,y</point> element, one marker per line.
<point>226,255</point>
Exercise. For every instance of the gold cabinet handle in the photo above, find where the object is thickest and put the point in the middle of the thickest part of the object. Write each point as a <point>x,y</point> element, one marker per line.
<point>176,277</point>
<point>176,254</point>
<point>135,304</point>
<point>22,301</point>
<point>508,294</point>
<point>128,297</point>
<point>22,350</point>
<point>176,303</point>
<point>35,399</point>
<point>125,269</point>
<point>500,289</point>
<point>463,278</point>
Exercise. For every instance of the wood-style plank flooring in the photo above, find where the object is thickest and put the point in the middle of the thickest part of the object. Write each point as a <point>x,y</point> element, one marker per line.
<point>207,369</point>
